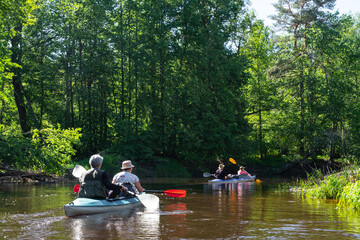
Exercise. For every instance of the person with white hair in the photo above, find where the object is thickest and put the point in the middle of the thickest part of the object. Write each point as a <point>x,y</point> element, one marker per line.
<point>94,182</point>
<point>127,178</point>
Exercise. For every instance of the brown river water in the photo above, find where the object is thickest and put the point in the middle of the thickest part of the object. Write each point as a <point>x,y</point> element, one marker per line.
<point>232,211</point>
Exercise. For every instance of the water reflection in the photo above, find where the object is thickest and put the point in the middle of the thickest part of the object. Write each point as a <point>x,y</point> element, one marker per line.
<point>125,223</point>
<point>175,214</point>
<point>222,211</point>
<point>240,189</point>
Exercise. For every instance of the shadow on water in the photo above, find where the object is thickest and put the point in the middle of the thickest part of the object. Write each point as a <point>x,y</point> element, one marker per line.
<point>209,211</point>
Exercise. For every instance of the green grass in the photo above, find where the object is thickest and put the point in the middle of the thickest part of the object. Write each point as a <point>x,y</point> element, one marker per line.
<point>350,196</point>
<point>343,186</point>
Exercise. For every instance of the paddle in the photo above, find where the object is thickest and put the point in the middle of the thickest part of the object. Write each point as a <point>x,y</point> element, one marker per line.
<point>206,174</point>
<point>232,161</point>
<point>78,171</point>
<point>175,193</point>
<point>150,201</point>
<point>77,188</point>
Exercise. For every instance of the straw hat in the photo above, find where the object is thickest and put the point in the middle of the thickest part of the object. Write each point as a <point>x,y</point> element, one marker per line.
<point>127,164</point>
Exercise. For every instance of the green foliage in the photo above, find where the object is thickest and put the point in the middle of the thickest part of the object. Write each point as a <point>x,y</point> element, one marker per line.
<point>55,148</point>
<point>193,81</point>
<point>48,150</point>
<point>350,196</point>
<point>330,188</point>
<point>13,147</point>
<point>12,12</point>
<point>171,168</point>
<point>343,186</point>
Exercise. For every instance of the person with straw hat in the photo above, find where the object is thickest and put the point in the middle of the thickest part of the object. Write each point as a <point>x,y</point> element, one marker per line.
<point>127,178</point>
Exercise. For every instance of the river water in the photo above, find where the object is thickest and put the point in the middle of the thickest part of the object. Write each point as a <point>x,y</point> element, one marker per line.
<point>232,211</point>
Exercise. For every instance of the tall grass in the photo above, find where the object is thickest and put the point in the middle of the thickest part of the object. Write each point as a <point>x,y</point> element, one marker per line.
<point>350,196</point>
<point>343,186</point>
<point>330,188</point>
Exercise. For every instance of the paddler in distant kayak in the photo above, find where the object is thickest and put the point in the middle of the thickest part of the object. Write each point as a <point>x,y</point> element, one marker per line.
<point>94,183</point>
<point>127,178</point>
<point>242,171</point>
<point>221,172</point>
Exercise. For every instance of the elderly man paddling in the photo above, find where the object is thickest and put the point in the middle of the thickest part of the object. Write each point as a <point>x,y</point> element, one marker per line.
<point>95,182</point>
<point>126,178</point>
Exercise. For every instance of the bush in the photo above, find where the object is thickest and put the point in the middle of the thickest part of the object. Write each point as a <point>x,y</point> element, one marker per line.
<point>48,150</point>
<point>171,168</point>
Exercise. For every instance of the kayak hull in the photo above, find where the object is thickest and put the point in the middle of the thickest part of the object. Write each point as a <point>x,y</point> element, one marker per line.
<point>234,180</point>
<point>84,206</point>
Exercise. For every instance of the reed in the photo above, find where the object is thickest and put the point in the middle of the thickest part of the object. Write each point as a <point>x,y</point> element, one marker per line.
<point>350,196</point>
<point>329,188</point>
<point>343,186</point>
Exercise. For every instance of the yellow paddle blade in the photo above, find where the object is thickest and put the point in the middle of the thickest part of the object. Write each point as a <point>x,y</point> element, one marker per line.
<point>258,181</point>
<point>232,160</point>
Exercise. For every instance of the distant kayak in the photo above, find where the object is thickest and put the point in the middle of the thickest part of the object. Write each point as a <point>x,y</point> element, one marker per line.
<point>234,180</point>
<point>81,206</point>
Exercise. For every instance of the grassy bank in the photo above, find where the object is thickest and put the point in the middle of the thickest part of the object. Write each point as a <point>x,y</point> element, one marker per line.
<point>342,186</point>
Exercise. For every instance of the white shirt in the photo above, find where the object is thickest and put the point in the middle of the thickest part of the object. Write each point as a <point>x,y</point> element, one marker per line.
<point>123,177</point>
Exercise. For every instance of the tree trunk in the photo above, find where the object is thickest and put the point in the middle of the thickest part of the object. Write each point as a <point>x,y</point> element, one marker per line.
<point>16,57</point>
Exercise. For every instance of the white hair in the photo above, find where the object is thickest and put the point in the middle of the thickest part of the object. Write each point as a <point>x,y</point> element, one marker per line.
<point>96,160</point>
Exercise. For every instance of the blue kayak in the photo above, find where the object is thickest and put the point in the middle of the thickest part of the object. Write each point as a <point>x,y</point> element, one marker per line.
<point>234,180</point>
<point>82,206</point>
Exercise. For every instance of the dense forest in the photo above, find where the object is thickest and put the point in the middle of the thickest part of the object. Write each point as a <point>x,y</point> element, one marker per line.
<point>177,84</point>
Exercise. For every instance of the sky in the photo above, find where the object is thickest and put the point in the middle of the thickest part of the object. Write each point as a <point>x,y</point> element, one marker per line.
<point>264,8</point>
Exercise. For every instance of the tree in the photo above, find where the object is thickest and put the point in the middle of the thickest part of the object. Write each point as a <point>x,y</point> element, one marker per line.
<point>295,66</point>
<point>259,49</point>
<point>15,15</point>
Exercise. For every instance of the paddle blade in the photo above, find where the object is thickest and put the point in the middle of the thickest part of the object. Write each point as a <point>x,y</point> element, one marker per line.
<point>206,174</point>
<point>176,193</point>
<point>150,201</point>
<point>258,181</point>
<point>78,171</point>
<point>232,160</point>
<point>77,188</point>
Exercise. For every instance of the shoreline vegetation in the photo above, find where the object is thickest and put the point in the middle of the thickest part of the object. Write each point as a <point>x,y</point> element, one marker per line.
<point>342,186</point>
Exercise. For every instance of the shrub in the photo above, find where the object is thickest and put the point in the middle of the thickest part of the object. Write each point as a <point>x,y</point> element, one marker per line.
<point>171,168</point>
<point>48,150</point>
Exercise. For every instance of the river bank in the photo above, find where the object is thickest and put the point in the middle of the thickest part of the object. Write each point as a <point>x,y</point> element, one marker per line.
<point>343,186</point>
<point>300,169</point>
<point>10,175</point>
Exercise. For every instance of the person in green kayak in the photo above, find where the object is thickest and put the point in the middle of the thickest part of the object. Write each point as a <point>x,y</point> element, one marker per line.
<point>127,178</point>
<point>94,183</point>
